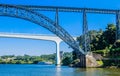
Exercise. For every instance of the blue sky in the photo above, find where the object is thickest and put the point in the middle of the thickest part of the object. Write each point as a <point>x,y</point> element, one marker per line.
<point>72,22</point>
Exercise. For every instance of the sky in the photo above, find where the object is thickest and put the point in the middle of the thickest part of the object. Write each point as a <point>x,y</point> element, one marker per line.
<point>71,22</point>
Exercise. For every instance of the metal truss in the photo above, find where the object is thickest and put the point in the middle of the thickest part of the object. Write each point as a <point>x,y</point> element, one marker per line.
<point>29,12</point>
<point>81,10</point>
<point>40,19</point>
<point>69,9</point>
<point>86,38</point>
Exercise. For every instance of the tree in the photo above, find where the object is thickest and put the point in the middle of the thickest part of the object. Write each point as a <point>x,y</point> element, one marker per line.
<point>115,50</point>
<point>95,39</point>
<point>104,39</point>
<point>101,39</point>
<point>74,55</point>
<point>66,61</point>
<point>109,34</point>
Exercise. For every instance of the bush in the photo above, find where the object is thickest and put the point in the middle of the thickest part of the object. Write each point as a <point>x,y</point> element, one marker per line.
<point>117,43</point>
<point>35,62</point>
<point>99,52</point>
<point>66,61</point>
<point>100,62</point>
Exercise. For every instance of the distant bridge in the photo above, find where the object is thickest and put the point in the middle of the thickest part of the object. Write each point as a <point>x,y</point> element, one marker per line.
<point>54,38</point>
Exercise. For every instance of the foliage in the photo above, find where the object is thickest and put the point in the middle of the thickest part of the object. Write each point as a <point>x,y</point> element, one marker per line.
<point>101,52</point>
<point>26,59</point>
<point>74,55</point>
<point>115,50</point>
<point>66,61</point>
<point>104,43</point>
<point>100,63</point>
<point>67,54</point>
<point>76,61</point>
<point>50,57</point>
<point>101,39</point>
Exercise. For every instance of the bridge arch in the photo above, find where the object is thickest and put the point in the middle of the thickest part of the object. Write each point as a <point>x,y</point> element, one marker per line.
<point>40,19</point>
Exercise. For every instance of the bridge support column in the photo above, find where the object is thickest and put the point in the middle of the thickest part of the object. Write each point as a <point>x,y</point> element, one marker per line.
<point>58,61</point>
<point>87,61</point>
<point>86,39</point>
<point>56,17</point>
<point>82,63</point>
<point>118,25</point>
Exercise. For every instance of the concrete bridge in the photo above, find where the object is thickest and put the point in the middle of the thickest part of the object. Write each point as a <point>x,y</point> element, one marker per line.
<point>53,38</point>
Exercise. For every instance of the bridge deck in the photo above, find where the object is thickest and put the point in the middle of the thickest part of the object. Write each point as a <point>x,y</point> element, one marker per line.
<point>70,9</point>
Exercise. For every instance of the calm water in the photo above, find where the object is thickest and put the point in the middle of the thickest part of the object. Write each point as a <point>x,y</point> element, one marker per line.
<point>51,70</point>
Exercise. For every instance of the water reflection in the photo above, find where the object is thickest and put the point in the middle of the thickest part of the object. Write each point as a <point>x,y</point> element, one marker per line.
<point>112,72</point>
<point>58,71</point>
<point>96,72</point>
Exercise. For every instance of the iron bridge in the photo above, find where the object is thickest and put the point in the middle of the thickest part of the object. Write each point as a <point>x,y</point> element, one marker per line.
<point>29,12</point>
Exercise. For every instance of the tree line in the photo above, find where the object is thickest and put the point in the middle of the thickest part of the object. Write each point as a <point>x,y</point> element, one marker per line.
<point>27,59</point>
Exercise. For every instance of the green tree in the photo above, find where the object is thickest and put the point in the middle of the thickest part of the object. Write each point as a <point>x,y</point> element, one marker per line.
<point>109,34</point>
<point>104,39</point>
<point>66,61</point>
<point>74,55</point>
<point>115,50</point>
<point>101,39</point>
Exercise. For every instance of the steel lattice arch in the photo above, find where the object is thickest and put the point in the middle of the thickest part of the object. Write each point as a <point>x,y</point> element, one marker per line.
<point>29,12</point>
<point>40,19</point>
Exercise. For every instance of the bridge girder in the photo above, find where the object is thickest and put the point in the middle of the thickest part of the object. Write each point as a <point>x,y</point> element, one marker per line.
<point>40,19</point>
<point>69,9</point>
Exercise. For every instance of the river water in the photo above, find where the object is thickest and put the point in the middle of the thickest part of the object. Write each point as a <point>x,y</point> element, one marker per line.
<point>52,70</point>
